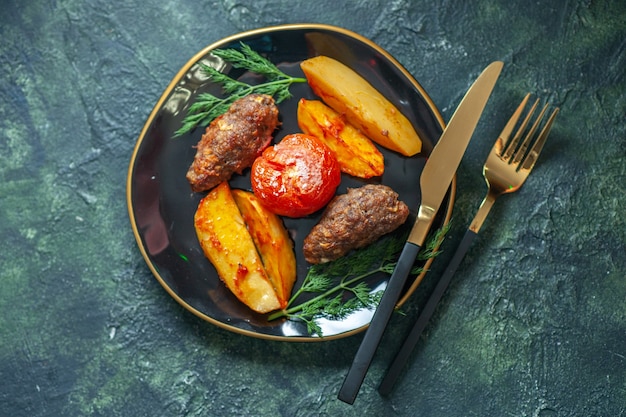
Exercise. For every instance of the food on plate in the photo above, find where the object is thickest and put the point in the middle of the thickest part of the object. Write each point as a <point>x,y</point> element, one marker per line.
<point>296,177</point>
<point>228,244</point>
<point>365,107</point>
<point>241,233</point>
<point>233,140</point>
<point>272,242</point>
<point>355,152</point>
<point>354,220</point>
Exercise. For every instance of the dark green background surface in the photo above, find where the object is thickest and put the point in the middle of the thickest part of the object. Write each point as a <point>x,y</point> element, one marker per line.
<point>533,325</point>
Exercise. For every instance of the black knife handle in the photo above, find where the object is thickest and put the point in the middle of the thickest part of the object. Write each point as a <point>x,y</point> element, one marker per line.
<point>409,344</point>
<point>373,335</point>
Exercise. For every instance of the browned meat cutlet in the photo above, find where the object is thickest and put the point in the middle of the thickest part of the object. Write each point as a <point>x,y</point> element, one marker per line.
<point>354,220</point>
<point>233,140</point>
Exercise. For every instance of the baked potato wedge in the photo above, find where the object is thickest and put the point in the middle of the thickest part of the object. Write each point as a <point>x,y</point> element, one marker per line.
<point>225,240</point>
<point>355,152</point>
<point>272,242</point>
<point>365,107</point>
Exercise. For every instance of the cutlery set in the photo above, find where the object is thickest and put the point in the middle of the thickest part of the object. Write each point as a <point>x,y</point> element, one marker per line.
<point>508,165</point>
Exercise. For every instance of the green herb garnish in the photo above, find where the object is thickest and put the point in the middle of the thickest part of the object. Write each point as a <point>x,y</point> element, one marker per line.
<point>207,106</point>
<point>351,293</point>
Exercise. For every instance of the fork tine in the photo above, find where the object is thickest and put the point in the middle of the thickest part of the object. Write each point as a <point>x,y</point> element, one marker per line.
<point>508,128</point>
<point>521,150</point>
<point>512,146</point>
<point>533,154</point>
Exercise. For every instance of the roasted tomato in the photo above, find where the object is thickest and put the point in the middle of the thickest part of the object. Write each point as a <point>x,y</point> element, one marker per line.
<point>296,177</point>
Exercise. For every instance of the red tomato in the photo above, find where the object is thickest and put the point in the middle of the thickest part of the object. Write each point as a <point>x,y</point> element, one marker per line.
<point>295,177</point>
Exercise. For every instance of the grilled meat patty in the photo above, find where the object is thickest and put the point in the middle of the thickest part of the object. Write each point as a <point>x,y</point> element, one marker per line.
<point>354,220</point>
<point>233,140</point>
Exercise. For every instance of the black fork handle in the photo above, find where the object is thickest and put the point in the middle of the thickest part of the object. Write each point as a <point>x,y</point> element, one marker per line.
<point>422,321</point>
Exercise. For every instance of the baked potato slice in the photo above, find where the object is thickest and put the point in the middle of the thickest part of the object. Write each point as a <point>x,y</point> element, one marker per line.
<point>225,240</point>
<point>355,152</point>
<point>365,107</point>
<point>272,242</point>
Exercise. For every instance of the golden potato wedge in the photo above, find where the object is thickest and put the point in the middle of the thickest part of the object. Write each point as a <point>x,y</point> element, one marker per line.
<point>355,152</point>
<point>365,107</point>
<point>227,243</point>
<point>272,242</point>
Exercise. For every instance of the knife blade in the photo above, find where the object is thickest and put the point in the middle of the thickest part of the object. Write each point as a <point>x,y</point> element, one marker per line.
<point>434,183</point>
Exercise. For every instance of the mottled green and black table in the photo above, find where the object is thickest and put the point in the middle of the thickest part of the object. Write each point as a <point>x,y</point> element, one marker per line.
<point>533,325</point>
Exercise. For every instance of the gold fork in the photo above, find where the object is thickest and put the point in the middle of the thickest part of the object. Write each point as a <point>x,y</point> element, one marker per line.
<point>505,170</point>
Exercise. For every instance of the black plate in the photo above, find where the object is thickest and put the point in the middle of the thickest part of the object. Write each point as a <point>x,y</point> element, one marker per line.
<point>161,205</point>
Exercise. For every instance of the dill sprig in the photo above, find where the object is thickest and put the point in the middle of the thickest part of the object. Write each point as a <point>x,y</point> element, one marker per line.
<point>207,106</point>
<point>336,300</point>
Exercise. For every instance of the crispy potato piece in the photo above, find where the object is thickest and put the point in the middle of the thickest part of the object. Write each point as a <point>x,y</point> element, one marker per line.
<point>355,152</point>
<point>227,243</point>
<point>272,242</point>
<point>365,107</point>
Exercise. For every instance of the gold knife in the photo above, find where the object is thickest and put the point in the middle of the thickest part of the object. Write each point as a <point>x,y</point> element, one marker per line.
<point>434,183</point>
